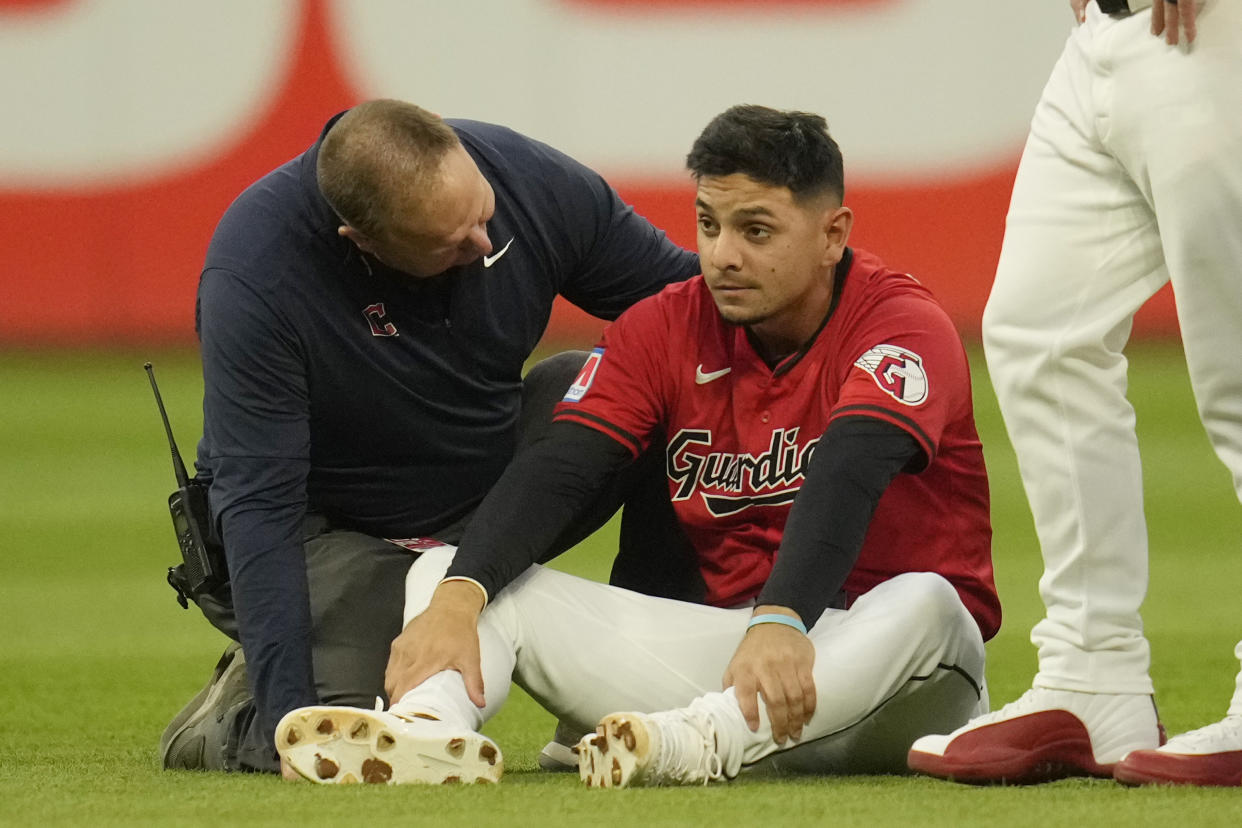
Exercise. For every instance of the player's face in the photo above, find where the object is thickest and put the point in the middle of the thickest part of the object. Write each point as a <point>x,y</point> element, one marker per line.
<point>442,229</point>
<point>768,259</point>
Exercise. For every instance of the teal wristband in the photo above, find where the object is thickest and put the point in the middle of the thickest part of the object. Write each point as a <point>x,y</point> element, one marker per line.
<point>777,618</point>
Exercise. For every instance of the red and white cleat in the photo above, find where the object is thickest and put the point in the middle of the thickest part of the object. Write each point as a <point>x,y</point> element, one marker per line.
<point>1211,755</point>
<point>1042,736</point>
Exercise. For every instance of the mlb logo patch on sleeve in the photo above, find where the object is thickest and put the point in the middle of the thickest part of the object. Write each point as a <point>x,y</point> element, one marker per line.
<point>897,371</point>
<point>585,377</point>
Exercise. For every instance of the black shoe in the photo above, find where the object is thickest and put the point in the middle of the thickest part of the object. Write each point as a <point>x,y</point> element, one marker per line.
<point>198,738</point>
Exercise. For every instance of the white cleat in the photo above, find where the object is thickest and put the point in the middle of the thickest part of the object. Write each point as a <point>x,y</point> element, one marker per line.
<point>676,747</point>
<point>349,745</point>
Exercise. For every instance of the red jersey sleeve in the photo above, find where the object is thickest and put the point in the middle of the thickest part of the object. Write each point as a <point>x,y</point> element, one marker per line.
<point>908,368</point>
<point>622,389</point>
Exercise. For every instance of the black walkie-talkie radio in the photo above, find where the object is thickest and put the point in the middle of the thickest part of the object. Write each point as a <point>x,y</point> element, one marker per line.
<point>203,567</point>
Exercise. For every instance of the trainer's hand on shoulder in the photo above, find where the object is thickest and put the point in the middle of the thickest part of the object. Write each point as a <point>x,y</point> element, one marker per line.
<point>444,637</point>
<point>775,661</point>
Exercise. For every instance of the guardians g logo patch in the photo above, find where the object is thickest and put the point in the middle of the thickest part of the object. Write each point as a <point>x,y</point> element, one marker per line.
<point>897,371</point>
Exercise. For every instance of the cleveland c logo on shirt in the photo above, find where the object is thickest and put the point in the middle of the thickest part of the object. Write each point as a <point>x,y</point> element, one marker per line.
<point>377,318</point>
<point>731,482</point>
<point>585,377</point>
<point>898,372</point>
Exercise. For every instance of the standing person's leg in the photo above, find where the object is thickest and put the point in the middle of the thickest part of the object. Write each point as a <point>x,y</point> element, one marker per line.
<point>1081,254</point>
<point>1196,191</point>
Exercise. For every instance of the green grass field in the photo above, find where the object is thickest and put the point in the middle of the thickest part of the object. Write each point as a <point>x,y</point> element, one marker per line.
<point>97,656</point>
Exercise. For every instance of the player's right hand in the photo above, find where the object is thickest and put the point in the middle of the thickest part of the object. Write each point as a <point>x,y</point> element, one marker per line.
<point>444,637</point>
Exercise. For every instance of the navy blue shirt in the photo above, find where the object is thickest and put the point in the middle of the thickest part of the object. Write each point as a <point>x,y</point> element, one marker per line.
<point>385,402</point>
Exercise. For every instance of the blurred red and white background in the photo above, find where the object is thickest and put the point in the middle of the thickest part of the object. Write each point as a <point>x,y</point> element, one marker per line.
<point>129,125</point>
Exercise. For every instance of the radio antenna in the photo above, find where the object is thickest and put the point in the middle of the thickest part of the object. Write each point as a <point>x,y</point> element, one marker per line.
<point>183,479</point>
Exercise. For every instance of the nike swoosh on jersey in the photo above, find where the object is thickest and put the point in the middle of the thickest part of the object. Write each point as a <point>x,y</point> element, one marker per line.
<point>488,261</point>
<point>701,377</point>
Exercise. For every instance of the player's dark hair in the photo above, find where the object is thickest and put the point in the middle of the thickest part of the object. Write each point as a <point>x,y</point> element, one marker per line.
<point>780,148</point>
<point>375,156</point>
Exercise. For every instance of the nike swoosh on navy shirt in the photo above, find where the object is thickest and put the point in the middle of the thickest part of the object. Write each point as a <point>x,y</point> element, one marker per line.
<point>488,261</point>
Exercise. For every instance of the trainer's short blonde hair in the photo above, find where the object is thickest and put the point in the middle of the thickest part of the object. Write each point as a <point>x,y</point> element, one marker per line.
<point>376,156</point>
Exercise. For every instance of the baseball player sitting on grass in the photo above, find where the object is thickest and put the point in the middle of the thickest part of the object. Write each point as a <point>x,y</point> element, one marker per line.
<point>823,462</point>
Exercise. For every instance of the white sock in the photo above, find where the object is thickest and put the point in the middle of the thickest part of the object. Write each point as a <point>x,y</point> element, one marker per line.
<point>443,696</point>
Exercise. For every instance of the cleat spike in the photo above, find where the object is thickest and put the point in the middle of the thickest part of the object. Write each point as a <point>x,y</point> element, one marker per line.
<point>376,772</point>
<point>325,768</point>
<point>489,754</point>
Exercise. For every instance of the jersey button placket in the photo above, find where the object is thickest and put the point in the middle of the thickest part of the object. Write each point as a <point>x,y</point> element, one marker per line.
<point>771,387</point>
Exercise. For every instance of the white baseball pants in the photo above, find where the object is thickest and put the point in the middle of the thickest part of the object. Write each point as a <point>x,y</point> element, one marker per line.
<point>905,660</point>
<point>1131,177</point>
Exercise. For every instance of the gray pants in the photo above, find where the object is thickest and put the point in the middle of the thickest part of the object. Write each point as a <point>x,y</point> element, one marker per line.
<point>357,582</point>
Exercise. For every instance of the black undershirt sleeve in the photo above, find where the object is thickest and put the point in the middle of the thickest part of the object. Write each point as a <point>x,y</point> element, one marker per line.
<point>539,495</point>
<point>852,465</point>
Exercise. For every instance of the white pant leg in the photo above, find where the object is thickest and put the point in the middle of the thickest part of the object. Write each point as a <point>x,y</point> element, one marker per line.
<point>1190,161</point>
<point>444,694</point>
<point>1186,153</point>
<point>907,659</point>
<point>586,649</point>
<point>1081,254</point>
<point>580,648</point>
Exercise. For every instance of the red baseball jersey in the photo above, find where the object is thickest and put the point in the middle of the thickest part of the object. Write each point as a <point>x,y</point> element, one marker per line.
<point>740,433</point>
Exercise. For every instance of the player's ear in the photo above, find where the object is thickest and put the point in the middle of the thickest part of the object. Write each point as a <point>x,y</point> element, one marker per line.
<point>837,223</point>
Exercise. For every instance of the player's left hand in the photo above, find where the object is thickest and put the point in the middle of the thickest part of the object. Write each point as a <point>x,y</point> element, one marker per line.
<point>774,661</point>
<point>444,637</point>
<point>1167,18</point>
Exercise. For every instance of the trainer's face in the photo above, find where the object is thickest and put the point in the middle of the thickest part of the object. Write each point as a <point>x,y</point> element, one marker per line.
<point>768,259</point>
<point>438,230</point>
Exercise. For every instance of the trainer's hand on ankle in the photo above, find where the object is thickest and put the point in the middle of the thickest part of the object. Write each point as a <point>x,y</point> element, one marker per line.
<point>444,637</point>
<point>774,661</point>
